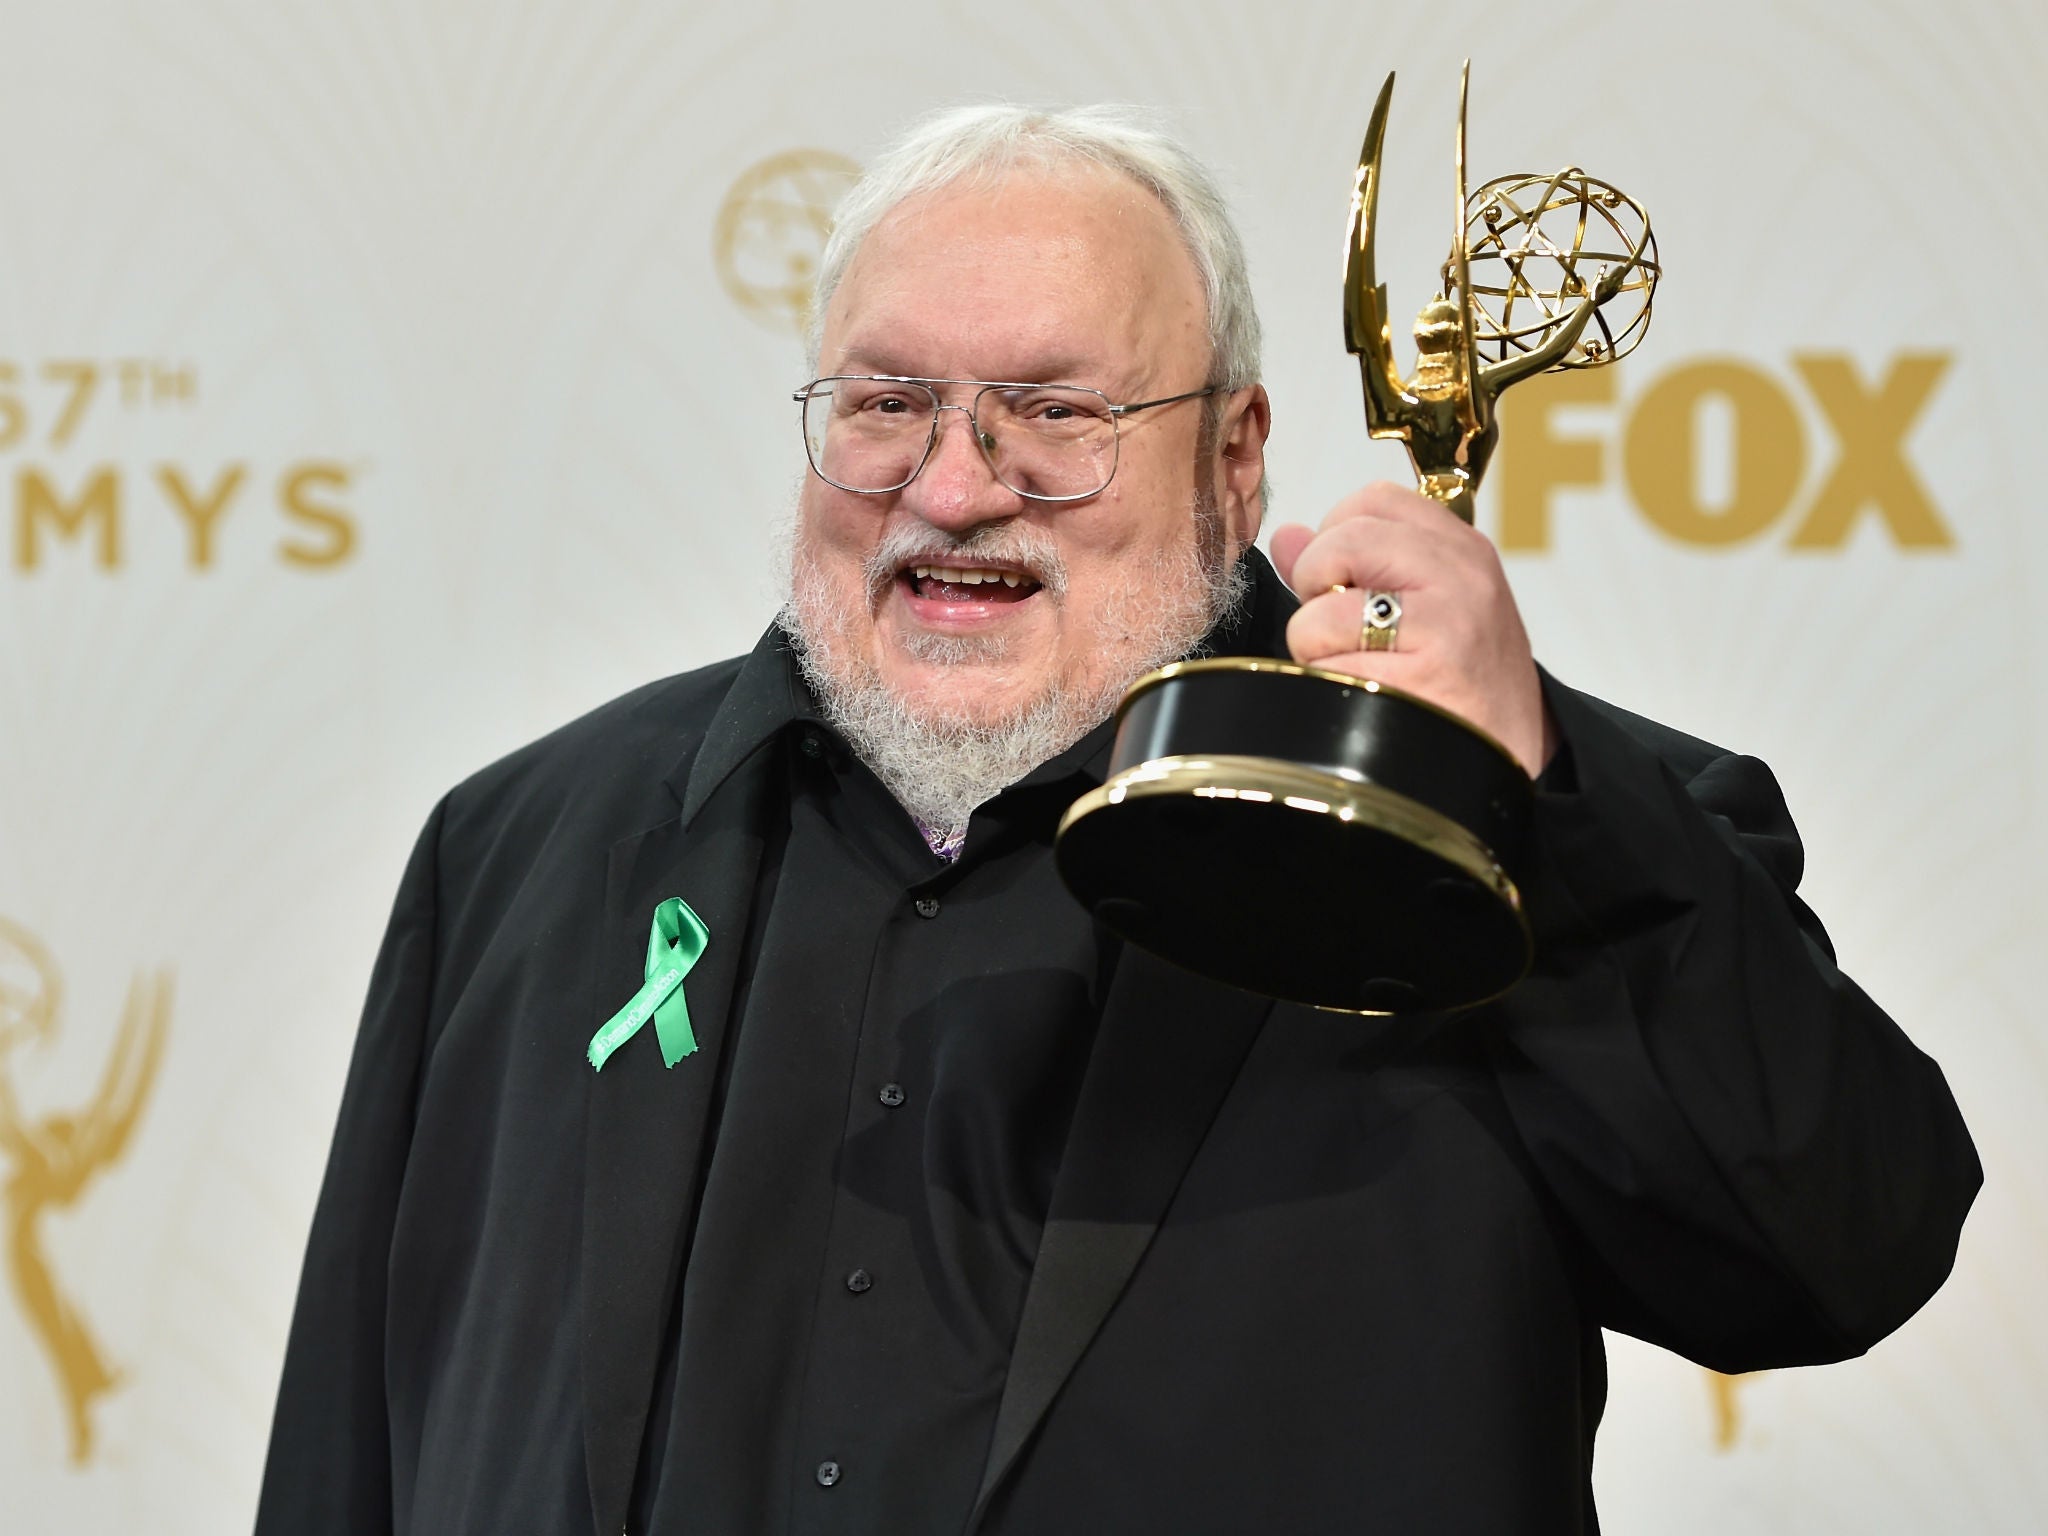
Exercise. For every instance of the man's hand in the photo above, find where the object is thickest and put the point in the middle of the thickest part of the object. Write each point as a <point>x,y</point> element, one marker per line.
<point>1460,644</point>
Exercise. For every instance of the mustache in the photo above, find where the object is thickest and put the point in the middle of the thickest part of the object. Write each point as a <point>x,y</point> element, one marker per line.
<point>913,541</point>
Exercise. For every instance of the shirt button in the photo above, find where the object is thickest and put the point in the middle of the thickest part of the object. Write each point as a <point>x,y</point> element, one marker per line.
<point>859,1281</point>
<point>892,1094</point>
<point>828,1473</point>
<point>810,746</point>
<point>927,906</point>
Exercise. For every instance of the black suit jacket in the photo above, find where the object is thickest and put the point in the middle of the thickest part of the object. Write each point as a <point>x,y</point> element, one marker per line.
<point>1301,1272</point>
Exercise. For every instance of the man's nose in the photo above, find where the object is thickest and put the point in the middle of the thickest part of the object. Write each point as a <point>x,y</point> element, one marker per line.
<point>957,488</point>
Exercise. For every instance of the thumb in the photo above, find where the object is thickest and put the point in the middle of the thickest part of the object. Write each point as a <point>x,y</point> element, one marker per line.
<point>1288,543</point>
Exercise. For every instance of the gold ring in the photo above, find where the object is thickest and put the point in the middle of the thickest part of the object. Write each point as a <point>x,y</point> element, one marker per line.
<point>1380,625</point>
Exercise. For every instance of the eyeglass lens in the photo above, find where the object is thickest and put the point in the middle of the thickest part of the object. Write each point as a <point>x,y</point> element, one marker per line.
<point>1048,441</point>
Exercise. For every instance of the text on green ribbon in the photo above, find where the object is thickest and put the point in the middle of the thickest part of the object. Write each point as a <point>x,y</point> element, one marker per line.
<point>676,940</point>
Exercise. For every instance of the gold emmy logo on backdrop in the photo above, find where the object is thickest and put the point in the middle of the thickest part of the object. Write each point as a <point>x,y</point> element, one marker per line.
<point>771,230</point>
<point>51,1159</point>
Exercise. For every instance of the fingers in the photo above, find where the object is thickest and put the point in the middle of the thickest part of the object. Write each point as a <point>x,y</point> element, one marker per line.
<point>1383,535</point>
<point>1459,644</point>
<point>1376,552</point>
<point>1331,626</point>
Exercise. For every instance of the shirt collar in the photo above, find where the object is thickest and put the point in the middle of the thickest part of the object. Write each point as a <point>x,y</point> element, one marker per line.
<point>765,698</point>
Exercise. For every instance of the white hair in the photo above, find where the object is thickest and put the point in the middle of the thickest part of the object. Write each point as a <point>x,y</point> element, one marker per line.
<point>980,144</point>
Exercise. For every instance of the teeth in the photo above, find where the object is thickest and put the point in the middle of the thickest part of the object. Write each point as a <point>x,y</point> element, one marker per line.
<point>953,576</point>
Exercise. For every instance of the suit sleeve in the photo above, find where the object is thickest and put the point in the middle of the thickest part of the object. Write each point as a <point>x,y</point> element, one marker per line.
<point>1762,1168</point>
<point>329,1469</point>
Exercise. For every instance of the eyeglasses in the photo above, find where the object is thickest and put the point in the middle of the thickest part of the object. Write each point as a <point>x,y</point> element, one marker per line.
<point>1051,442</point>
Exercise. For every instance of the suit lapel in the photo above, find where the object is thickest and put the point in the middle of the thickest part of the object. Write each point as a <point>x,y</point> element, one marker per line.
<point>644,1139</point>
<point>1168,1050</point>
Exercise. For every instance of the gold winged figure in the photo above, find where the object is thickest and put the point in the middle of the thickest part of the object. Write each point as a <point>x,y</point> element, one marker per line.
<point>1546,236</point>
<point>51,1159</point>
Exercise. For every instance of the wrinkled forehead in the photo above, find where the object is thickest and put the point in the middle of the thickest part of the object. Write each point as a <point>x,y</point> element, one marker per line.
<point>1072,271</point>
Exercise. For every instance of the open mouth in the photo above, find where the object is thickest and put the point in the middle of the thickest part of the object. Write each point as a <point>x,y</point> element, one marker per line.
<point>959,584</point>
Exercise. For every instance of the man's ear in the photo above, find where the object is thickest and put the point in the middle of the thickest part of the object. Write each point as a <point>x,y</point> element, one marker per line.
<point>1241,463</point>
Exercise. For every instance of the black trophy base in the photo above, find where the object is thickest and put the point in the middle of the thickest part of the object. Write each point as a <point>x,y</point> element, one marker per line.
<point>1359,859</point>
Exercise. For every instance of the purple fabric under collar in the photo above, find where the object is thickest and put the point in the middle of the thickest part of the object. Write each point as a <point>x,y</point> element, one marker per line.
<point>946,845</point>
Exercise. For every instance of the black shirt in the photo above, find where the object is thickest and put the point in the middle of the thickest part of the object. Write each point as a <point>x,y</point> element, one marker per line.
<point>913,1034</point>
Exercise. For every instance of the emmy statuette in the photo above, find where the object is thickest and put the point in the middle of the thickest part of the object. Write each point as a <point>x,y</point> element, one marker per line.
<point>1319,837</point>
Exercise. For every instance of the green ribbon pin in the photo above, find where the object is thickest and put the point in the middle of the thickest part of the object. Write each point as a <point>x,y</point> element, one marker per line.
<point>673,945</point>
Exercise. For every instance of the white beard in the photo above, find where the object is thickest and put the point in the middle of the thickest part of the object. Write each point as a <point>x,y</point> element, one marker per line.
<point>941,764</point>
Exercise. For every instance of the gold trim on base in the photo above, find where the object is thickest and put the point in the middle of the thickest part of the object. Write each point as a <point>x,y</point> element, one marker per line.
<point>1275,781</point>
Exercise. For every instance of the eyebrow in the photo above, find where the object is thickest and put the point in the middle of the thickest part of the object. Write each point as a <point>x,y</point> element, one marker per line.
<point>1056,370</point>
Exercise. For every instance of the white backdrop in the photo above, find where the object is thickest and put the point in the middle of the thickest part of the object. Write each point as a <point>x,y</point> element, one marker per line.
<point>382,384</point>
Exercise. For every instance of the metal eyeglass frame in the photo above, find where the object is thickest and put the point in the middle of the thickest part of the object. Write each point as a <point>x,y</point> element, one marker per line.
<point>981,387</point>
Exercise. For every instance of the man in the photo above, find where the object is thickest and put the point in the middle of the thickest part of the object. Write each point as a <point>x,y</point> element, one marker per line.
<point>962,1215</point>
